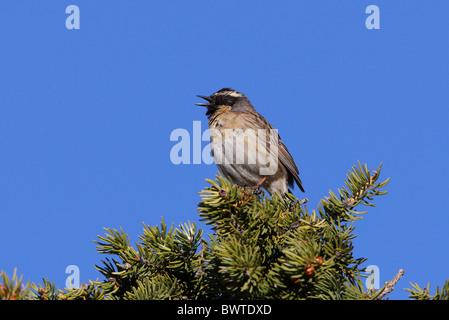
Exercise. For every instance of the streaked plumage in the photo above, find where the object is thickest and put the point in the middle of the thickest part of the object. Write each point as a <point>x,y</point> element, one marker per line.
<point>228,111</point>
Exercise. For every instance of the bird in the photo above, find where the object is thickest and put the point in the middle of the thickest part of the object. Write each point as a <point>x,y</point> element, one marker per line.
<point>245,147</point>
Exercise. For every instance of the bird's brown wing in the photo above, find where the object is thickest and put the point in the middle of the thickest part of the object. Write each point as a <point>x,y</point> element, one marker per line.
<point>285,158</point>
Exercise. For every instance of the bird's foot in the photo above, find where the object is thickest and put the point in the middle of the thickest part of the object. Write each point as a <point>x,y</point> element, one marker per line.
<point>257,186</point>
<point>260,183</point>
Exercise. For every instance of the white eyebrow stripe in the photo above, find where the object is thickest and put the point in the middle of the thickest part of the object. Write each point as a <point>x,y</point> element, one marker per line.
<point>230,93</point>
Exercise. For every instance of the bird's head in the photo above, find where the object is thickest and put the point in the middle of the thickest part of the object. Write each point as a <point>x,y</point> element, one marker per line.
<point>226,98</point>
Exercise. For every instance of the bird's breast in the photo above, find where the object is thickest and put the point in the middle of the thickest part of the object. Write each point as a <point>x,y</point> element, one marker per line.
<point>222,118</point>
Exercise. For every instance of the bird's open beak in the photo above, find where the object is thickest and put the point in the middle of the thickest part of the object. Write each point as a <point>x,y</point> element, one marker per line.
<point>209,99</point>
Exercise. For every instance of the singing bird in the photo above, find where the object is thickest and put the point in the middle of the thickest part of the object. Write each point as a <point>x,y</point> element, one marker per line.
<point>245,147</point>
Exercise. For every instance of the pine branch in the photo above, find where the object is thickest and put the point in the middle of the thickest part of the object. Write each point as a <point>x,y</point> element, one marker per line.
<point>360,188</point>
<point>418,293</point>
<point>13,289</point>
<point>389,285</point>
<point>261,248</point>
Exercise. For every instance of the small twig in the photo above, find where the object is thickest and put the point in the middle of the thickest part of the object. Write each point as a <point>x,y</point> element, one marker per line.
<point>200,271</point>
<point>390,284</point>
<point>294,226</point>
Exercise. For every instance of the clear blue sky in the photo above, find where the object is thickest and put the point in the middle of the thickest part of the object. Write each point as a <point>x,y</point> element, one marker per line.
<point>86,117</point>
